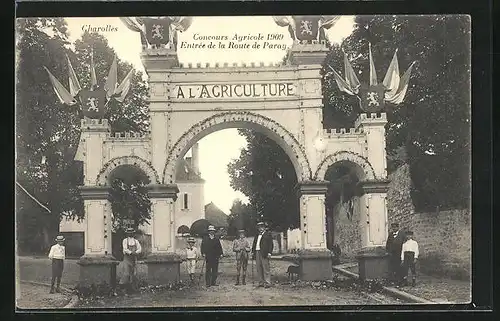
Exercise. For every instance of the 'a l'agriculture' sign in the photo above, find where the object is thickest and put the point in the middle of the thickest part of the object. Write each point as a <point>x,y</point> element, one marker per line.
<point>233,91</point>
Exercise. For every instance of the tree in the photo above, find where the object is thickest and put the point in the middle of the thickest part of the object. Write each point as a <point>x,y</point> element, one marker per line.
<point>129,202</point>
<point>265,174</point>
<point>432,125</point>
<point>46,131</point>
<point>242,216</point>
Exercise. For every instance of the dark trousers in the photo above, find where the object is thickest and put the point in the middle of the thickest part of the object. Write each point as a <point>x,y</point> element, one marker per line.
<point>409,264</point>
<point>212,270</point>
<point>395,267</point>
<point>57,269</point>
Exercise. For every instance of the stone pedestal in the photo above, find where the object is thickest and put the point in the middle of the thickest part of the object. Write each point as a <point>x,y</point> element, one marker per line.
<point>96,270</point>
<point>315,260</point>
<point>163,268</point>
<point>315,265</point>
<point>163,264</point>
<point>373,263</point>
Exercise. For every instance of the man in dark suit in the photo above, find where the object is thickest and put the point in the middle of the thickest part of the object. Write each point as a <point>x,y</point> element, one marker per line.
<point>393,247</point>
<point>211,249</point>
<point>261,252</point>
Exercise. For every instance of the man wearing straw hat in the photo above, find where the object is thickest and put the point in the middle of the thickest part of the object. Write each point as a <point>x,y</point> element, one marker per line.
<point>241,247</point>
<point>191,257</point>
<point>262,249</point>
<point>57,254</point>
<point>211,249</point>
<point>131,248</point>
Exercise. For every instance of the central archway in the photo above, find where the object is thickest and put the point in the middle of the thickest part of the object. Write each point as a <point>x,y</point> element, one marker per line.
<point>249,120</point>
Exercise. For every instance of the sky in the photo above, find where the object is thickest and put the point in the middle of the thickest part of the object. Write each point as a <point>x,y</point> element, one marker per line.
<point>227,143</point>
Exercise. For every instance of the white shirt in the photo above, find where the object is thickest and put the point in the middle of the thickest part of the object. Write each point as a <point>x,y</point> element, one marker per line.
<point>409,246</point>
<point>191,253</point>
<point>131,241</point>
<point>57,252</point>
<point>257,246</point>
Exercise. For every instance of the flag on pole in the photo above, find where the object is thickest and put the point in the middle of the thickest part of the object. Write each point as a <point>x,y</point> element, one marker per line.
<point>341,83</point>
<point>112,80</point>
<point>403,87</point>
<point>93,77</point>
<point>391,79</point>
<point>74,84</point>
<point>64,96</point>
<point>350,76</point>
<point>373,72</point>
<point>124,87</point>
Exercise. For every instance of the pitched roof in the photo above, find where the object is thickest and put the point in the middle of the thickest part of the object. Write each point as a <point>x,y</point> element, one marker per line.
<point>185,172</point>
<point>215,215</point>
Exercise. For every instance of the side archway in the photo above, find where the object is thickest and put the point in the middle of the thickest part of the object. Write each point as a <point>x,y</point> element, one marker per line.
<point>225,120</point>
<point>364,169</point>
<point>130,161</point>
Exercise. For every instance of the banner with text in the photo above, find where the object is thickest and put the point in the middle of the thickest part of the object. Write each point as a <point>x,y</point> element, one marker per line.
<point>234,91</point>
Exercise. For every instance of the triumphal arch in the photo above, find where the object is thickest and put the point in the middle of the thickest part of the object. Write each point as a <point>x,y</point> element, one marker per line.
<point>188,102</point>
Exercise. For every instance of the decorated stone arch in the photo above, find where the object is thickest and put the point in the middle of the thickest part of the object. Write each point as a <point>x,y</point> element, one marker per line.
<point>239,119</point>
<point>282,100</point>
<point>134,163</point>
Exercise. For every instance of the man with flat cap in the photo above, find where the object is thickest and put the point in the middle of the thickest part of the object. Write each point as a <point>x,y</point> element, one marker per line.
<point>261,251</point>
<point>241,247</point>
<point>211,249</point>
<point>393,246</point>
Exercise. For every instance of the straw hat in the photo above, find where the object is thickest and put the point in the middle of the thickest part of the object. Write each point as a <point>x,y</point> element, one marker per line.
<point>130,230</point>
<point>191,240</point>
<point>60,238</point>
<point>211,228</point>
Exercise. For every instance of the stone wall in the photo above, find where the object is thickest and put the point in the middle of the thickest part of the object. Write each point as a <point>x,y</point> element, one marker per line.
<point>444,237</point>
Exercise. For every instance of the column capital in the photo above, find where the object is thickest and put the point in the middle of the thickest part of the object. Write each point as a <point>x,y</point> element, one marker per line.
<point>311,187</point>
<point>95,192</point>
<point>374,186</point>
<point>163,191</point>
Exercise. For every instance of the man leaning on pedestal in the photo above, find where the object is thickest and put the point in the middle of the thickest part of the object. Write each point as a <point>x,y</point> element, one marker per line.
<point>261,252</point>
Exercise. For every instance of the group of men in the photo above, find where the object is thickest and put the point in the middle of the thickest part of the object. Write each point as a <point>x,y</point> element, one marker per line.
<point>402,248</point>
<point>211,250</point>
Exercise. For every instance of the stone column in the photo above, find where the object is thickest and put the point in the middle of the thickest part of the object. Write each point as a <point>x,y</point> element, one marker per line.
<point>314,257</point>
<point>163,263</point>
<point>372,256</point>
<point>97,265</point>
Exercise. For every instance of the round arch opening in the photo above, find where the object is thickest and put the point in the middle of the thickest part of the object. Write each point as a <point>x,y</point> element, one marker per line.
<point>258,123</point>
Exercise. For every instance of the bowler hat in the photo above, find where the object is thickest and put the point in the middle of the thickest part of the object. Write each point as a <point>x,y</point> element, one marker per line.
<point>211,228</point>
<point>60,238</point>
<point>394,224</point>
<point>409,233</point>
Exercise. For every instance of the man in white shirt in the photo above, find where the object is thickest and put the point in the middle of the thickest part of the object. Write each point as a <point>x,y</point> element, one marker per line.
<point>57,254</point>
<point>409,256</point>
<point>262,249</point>
<point>131,248</point>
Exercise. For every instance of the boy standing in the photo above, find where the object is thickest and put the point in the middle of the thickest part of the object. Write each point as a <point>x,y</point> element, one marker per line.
<point>241,247</point>
<point>409,255</point>
<point>191,257</point>
<point>57,254</point>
